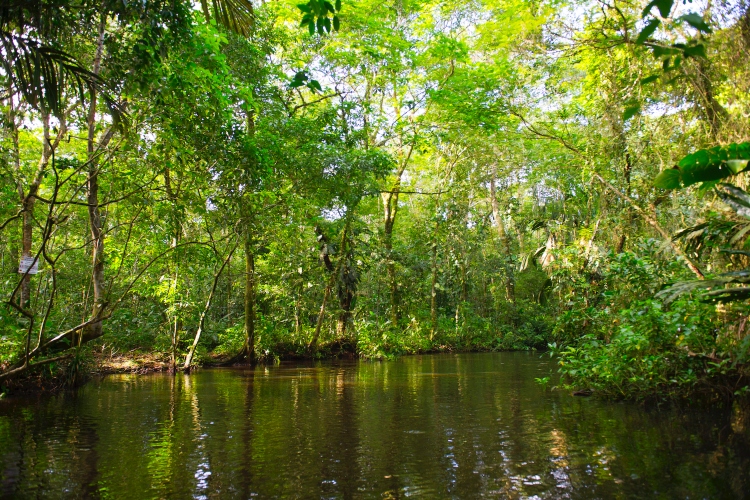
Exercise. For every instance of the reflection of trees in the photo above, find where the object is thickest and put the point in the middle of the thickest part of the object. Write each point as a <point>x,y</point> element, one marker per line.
<point>424,425</point>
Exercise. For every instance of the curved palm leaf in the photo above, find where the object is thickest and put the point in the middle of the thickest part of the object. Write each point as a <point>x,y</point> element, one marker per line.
<point>235,15</point>
<point>40,74</point>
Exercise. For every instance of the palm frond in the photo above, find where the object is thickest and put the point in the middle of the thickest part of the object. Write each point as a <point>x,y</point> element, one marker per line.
<point>235,15</point>
<point>715,286</point>
<point>41,73</point>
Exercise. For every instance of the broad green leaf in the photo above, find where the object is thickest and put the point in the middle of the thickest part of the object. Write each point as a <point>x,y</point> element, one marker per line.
<point>697,50</point>
<point>336,23</point>
<point>669,179</point>
<point>705,172</point>
<point>664,6</point>
<point>697,159</point>
<point>314,85</point>
<point>647,31</point>
<point>696,21</point>
<point>631,111</point>
<point>338,5</point>
<point>649,79</point>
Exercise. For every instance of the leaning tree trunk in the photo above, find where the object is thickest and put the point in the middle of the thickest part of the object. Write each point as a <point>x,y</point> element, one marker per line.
<point>201,322</point>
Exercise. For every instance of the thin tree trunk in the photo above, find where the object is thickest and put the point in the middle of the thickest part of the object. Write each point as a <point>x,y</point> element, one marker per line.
<point>313,345</point>
<point>191,352</point>
<point>390,205</point>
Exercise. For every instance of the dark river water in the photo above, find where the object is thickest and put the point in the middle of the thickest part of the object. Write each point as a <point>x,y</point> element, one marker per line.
<point>438,426</point>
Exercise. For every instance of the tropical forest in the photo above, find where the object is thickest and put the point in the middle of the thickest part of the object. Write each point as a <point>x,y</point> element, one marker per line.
<point>302,221</point>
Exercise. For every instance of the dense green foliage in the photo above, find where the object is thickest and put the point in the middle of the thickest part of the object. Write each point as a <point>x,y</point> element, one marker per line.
<point>388,178</point>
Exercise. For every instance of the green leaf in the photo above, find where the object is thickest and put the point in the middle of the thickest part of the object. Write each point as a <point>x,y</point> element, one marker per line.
<point>327,24</point>
<point>696,21</point>
<point>649,79</point>
<point>304,7</point>
<point>338,5</point>
<point>737,166</point>
<point>664,6</point>
<point>320,26</point>
<point>630,112</point>
<point>699,158</point>
<point>311,27</point>
<point>697,50</point>
<point>647,31</point>
<point>336,23</point>
<point>668,179</point>
<point>715,163</point>
<point>314,85</point>
<point>329,6</point>
<point>702,171</point>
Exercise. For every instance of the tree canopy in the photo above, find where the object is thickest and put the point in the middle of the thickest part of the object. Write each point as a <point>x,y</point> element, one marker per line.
<point>231,181</point>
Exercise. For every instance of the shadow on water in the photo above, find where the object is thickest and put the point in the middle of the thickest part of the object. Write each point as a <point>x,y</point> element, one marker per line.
<point>437,426</point>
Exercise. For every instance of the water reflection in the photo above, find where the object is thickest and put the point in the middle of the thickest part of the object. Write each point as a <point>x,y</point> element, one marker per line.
<point>464,426</point>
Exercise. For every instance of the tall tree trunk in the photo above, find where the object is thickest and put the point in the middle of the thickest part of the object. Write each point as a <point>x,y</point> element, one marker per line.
<point>433,286</point>
<point>172,187</point>
<point>177,324</point>
<point>313,345</point>
<point>94,330</point>
<point>28,198</point>
<point>390,210</point>
<point>249,347</point>
<point>247,213</point>
<point>628,191</point>
<point>510,283</point>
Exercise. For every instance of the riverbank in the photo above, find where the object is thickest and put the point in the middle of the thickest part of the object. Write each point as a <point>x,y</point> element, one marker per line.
<point>97,361</point>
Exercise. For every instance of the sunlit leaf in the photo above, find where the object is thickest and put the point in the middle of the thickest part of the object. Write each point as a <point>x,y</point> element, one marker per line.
<point>668,179</point>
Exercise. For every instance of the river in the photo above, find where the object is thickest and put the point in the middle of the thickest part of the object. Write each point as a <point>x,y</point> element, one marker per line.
<point>433,426</point>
